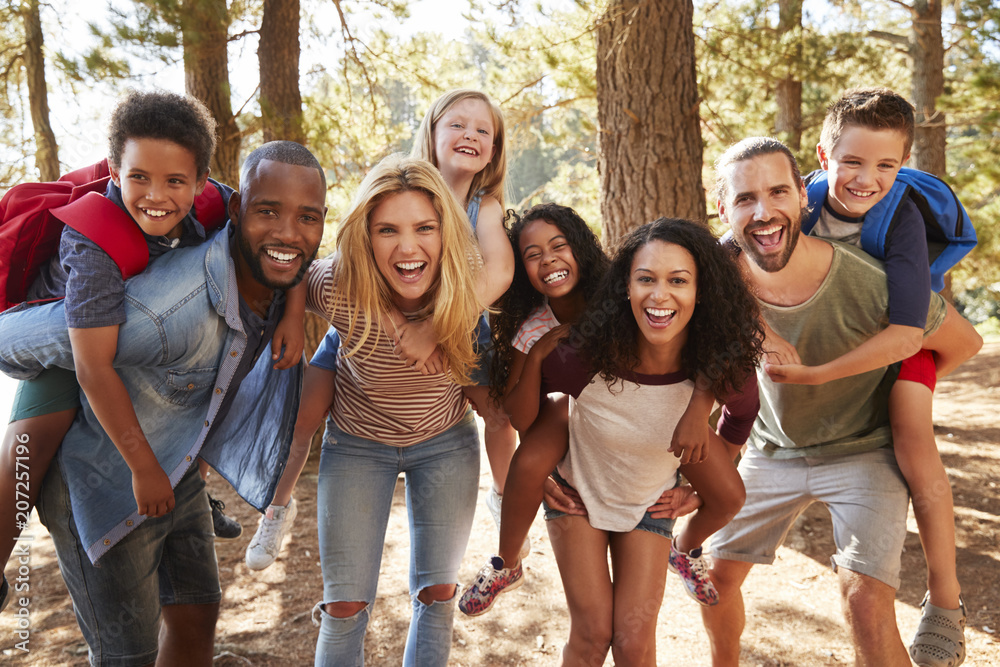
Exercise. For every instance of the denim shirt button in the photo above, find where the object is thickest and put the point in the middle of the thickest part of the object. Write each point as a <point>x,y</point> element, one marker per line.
<point>218,390</point>
<point>233,353</point>
<point>206,422</point>
<point>129,523</point>
<point>107,542</point>
<point>187,458</point>
<point>190,386</point>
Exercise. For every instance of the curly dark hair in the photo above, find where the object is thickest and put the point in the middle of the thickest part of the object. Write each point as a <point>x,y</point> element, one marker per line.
<point>724,335</point>
<point>162,115</point>
<point>521,298</point>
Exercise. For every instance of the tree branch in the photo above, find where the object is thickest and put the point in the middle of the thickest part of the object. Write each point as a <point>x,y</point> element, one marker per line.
<point>351,41</point>
<point>890,37</point>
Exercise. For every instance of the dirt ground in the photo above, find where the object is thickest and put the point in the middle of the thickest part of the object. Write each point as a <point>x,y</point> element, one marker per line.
<point>793,607</point>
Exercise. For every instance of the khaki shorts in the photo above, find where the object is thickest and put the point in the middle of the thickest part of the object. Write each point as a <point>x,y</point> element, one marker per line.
<point>865,493</point>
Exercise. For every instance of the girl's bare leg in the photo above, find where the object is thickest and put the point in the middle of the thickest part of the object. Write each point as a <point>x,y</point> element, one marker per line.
<point>721,489</point>
<point>542,447</point>
<point>581,552</point>
<point>499,436</point>
<point>639,566</point>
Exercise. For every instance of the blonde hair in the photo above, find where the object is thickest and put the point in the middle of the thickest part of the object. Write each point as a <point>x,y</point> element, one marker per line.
<point>492,180</point>
<point>454,301</point>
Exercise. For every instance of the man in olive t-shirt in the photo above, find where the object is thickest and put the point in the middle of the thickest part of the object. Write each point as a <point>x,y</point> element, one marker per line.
<point>830,443</point>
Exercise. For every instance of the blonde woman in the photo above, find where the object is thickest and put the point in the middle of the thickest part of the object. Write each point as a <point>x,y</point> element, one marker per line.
<point>405,247</point>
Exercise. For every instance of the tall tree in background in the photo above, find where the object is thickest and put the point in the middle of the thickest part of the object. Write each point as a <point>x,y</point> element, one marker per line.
<point>46,149</point>
<point>650,158</point>
<point>927,51</point>
<point>204,28</point>
<point>278,55</point>
<point>788,92</point>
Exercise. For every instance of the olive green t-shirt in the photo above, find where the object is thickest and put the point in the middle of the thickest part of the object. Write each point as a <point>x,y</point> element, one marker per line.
<point>845,416</point>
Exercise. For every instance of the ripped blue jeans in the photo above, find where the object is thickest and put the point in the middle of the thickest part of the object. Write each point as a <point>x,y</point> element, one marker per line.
<point>357,478</point>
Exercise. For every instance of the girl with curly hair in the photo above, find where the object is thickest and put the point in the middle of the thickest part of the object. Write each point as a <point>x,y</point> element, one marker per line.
<point>672,307</point>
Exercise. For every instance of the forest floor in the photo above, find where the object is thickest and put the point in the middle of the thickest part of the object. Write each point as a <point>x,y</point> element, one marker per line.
<point>793,607</point>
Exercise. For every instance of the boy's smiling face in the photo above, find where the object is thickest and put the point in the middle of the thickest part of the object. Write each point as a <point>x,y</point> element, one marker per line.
<point>861,168</point>
<point>159,181</point>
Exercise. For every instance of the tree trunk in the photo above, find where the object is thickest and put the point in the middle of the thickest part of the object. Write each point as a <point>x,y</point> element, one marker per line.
<point>650,157</point>
<point>927,51</point>
<point>205,35</point>
<point>278,57</point>
<point>788,92</point>
<point>46,149</point>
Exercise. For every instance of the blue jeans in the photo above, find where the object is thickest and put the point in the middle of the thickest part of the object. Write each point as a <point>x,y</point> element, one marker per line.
<point>168,560</point>
<point>357,478</point>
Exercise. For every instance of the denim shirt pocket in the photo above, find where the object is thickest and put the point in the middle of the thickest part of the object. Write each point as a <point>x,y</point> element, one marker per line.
<point>188,388</point>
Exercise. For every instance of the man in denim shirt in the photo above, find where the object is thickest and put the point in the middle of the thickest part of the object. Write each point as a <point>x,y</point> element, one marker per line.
<point>197,320</point>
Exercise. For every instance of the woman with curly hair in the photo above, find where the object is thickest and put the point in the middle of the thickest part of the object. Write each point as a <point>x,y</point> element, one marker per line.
<point>672,307</point>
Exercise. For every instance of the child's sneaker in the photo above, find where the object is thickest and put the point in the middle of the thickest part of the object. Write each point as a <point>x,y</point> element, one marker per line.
<point>226,527</point>
<point>494,501</point>
<point>693,571</point>
<point>491,581</point>
<point>271,530</point>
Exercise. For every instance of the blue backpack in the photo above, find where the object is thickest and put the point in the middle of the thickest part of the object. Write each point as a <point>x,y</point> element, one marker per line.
<point>950,235</point>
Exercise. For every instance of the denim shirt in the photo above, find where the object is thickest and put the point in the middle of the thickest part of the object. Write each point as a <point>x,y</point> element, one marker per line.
<point>177,353</point>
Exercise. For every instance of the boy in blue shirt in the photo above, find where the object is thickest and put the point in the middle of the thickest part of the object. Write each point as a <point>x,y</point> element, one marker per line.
<point>866,138</point>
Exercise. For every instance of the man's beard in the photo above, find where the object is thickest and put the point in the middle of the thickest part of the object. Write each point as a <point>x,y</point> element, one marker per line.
<point>253,262</point>
<point>772,263</point>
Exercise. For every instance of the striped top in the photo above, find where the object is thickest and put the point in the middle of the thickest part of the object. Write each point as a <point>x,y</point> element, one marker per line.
<point>377,397</point>
<point>539,322</point>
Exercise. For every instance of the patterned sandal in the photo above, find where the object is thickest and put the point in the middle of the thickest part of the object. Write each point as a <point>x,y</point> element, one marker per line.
<point>940,638</point>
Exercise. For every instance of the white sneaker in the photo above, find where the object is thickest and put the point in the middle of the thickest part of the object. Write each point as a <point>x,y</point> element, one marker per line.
<point>271,530</point>
<point>493,502</point>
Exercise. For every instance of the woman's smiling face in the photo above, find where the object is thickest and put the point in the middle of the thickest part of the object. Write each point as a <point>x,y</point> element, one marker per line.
<point>663,291</point>
<point>405,233</point>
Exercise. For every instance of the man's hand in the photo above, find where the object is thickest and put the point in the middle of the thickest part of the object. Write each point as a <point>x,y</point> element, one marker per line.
<point>675,502</point>
<point>563,498</point>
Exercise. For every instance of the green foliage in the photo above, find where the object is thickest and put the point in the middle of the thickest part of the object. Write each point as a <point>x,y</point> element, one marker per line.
<point>370,103</point>
<point>374,83</point>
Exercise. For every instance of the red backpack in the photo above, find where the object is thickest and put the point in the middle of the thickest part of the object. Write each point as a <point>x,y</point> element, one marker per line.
<point>32,216</point>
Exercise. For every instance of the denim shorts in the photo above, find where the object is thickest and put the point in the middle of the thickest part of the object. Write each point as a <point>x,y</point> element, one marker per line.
<point>865,493</point>
<point>164,561</point>
<point>54,390</point>
<point>661,527</point>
